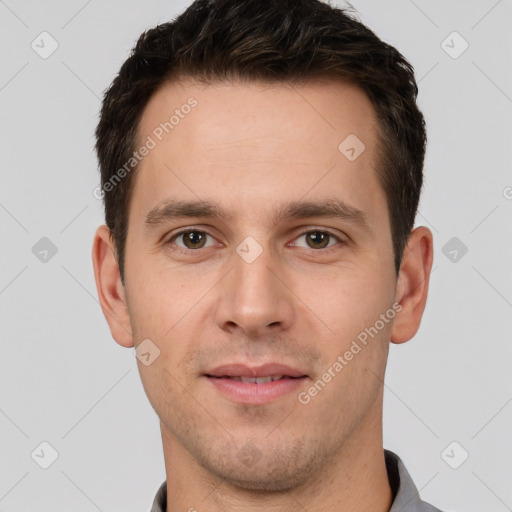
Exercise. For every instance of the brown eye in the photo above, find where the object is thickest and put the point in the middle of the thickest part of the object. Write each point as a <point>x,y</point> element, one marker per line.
<point>317,239</point>
<point>191,239</point>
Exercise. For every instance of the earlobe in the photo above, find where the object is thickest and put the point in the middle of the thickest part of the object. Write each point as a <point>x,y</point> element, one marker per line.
<point>412,284</point>
<point>111,292</point>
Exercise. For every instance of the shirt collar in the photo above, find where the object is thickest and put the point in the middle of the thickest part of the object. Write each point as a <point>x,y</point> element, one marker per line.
<point>406,497</point>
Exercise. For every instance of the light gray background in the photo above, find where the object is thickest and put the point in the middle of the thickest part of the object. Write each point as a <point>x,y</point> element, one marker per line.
<point>64,380</point>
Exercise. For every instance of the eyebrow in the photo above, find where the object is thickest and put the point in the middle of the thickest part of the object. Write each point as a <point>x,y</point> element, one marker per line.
<point>332,208</point>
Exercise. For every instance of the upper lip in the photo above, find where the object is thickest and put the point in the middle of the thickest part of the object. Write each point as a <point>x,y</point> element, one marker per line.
<point>242,370</point>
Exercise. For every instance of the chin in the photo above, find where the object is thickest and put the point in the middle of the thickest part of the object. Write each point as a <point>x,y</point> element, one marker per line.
<point>275,471</point>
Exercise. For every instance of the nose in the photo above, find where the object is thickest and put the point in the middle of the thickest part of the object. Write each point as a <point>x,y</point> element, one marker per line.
<point>254,299</point>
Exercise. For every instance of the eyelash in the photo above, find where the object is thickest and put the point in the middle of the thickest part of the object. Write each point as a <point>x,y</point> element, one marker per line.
<point>181,250</point>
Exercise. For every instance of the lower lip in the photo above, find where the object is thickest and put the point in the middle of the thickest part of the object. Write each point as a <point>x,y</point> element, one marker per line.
<point>255,394</point>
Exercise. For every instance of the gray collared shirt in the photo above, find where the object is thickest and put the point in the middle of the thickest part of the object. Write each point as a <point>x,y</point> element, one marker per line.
<point>406,496</point>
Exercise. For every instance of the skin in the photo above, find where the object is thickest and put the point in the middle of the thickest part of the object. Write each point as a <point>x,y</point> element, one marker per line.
<point>251,148</point>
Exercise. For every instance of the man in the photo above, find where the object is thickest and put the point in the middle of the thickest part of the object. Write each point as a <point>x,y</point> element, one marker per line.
<point>261,167</point>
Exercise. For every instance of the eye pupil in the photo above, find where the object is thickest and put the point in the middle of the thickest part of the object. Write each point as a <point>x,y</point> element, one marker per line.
<point>193,239</point>
<point>318,238</point>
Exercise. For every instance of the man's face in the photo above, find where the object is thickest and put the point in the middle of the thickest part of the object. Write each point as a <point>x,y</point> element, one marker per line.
<point>267,290</point>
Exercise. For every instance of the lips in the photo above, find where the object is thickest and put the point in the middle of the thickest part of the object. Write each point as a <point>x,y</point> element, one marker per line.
<point>255,385</point>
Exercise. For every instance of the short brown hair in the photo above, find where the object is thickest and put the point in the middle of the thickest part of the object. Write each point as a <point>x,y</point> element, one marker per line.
<point>270,41</point>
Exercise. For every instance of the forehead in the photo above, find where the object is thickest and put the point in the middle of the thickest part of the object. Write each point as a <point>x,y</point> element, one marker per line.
<point>321,110</point>
<point>254,140</point>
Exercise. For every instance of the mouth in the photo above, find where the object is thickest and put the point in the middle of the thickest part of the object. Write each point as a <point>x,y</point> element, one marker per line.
<point>255,385</point>
<point>254,380</point>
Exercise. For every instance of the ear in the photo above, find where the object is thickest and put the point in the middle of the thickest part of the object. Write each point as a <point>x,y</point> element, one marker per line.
<point>111,291</point>
<point>412,284</point>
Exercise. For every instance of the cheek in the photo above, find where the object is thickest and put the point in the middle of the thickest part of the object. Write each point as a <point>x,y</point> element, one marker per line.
<point>165,389</point>
<point>172,313</point>
<point>357,351</point>
<point>157,300</point>
<point>348,302</point>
